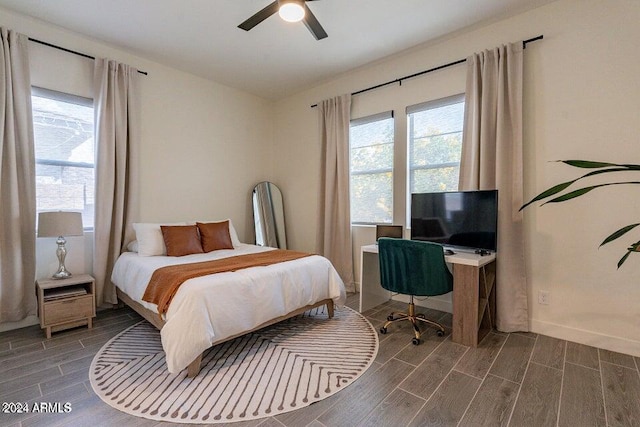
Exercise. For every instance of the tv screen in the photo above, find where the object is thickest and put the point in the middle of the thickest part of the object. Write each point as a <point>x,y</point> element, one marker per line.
<point>467,219</point>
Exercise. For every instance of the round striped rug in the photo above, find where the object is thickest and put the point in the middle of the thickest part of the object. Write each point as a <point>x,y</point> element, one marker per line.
<point>277,369</point>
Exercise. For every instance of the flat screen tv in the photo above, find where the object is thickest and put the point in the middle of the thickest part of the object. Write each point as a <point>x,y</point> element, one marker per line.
<point>464,219</point>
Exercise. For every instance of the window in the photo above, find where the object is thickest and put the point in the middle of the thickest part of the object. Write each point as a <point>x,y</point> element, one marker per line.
<point>64,151</point>
<point>371,168</point>
<point>435,144</point>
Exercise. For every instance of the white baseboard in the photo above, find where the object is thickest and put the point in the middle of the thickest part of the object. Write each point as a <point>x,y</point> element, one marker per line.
<point>581,336</point>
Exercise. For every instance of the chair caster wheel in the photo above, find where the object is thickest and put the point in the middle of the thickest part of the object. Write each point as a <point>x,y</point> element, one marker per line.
<point>440,333</point>
<point>390,317</point>
<point>415,341</point>
<point>383,330</point>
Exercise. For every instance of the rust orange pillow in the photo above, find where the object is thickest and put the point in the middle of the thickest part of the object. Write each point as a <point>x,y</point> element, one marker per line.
<point>214,235</point>
<point>181,240</point>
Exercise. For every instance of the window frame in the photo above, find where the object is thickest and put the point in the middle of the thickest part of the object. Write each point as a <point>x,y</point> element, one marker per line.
<point>71,99</point>
<point>385,115</point>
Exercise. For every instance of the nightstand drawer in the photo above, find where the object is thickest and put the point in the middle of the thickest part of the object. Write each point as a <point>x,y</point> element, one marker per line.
<point>67,310</point>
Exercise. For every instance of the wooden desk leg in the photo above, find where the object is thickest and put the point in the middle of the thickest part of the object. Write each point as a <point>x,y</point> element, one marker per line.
<point>465,304</point>
<point>487,303</point>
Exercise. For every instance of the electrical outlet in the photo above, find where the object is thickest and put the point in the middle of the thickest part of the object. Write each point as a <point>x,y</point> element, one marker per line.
<point>543,297</point>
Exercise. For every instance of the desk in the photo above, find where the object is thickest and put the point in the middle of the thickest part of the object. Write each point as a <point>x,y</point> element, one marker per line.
<point>474,279</point>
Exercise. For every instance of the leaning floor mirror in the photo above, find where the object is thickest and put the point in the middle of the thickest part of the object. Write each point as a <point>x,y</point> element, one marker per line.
<point>268,216</point>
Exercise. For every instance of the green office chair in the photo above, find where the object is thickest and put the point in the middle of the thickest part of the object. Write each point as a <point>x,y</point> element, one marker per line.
<point>413,268</point>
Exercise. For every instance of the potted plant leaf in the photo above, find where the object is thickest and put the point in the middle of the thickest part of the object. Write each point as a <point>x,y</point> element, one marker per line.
<point>553,194</point>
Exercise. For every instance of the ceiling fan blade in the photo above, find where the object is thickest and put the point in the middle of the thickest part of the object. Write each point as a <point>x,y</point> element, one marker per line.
<point>260,16</point>
<point>313,25</point>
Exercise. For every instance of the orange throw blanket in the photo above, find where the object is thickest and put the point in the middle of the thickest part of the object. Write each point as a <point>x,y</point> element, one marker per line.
<point>165,281</point>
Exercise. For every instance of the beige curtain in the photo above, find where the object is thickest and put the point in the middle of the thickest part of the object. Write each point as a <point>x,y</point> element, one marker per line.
<point>17,181</point>
<point>492,158</point>
<point>117,140</point>
<point>334,226</point>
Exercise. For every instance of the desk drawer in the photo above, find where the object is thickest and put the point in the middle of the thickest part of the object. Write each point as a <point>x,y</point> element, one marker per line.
<point>67,310</point>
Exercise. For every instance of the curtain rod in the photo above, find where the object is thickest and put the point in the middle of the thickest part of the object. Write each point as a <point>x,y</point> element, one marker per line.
<point>84,55</point>
<point>440,67</point>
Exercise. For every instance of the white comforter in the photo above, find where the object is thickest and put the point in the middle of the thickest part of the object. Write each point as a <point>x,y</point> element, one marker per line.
<point>209,309</point>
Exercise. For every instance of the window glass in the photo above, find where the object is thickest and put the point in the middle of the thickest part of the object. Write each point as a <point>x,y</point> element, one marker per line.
<point>64,151</point>
<point>435,144</point>
<point>371,168</point>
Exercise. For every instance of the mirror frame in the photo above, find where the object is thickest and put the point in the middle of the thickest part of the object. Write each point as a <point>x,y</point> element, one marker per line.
<point>268,215</point>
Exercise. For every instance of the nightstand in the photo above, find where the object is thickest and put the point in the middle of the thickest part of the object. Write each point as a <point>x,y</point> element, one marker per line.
<point>66,303</point>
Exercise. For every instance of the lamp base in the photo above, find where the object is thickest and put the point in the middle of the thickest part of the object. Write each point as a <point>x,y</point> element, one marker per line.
<point>61,252</point>
<point>64,274</point>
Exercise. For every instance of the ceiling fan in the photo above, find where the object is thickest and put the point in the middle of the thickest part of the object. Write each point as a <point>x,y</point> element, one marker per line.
<point>290,11</point>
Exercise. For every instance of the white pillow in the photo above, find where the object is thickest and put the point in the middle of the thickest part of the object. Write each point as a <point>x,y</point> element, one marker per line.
<point>149,237</point>
<point>133,246</point>
<point>235,241</point>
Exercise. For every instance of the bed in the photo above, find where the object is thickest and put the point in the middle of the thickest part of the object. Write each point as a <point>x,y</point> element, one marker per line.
<point>215,308</point>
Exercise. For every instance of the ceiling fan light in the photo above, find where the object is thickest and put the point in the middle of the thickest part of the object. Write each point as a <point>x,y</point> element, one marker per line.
<point>291,11</point>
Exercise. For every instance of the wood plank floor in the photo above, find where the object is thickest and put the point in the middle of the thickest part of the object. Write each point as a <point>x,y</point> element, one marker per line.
<point>510,379</point>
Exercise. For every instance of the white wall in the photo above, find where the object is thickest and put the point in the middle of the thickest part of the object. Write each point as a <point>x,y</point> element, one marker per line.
<point>203,148</point>
<point>582,88</point>
<point>203,145</point>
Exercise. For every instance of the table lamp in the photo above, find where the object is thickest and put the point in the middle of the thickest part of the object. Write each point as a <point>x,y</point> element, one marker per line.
<point>59,224</point>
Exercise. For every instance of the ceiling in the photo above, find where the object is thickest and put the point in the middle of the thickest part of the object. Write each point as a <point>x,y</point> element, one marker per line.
<point>275,59</point>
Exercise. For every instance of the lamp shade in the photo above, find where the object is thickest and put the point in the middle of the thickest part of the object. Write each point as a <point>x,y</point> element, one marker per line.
<point>55,224</point>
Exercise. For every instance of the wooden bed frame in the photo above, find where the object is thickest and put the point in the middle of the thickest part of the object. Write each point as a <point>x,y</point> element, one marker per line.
<point>194,367</point>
